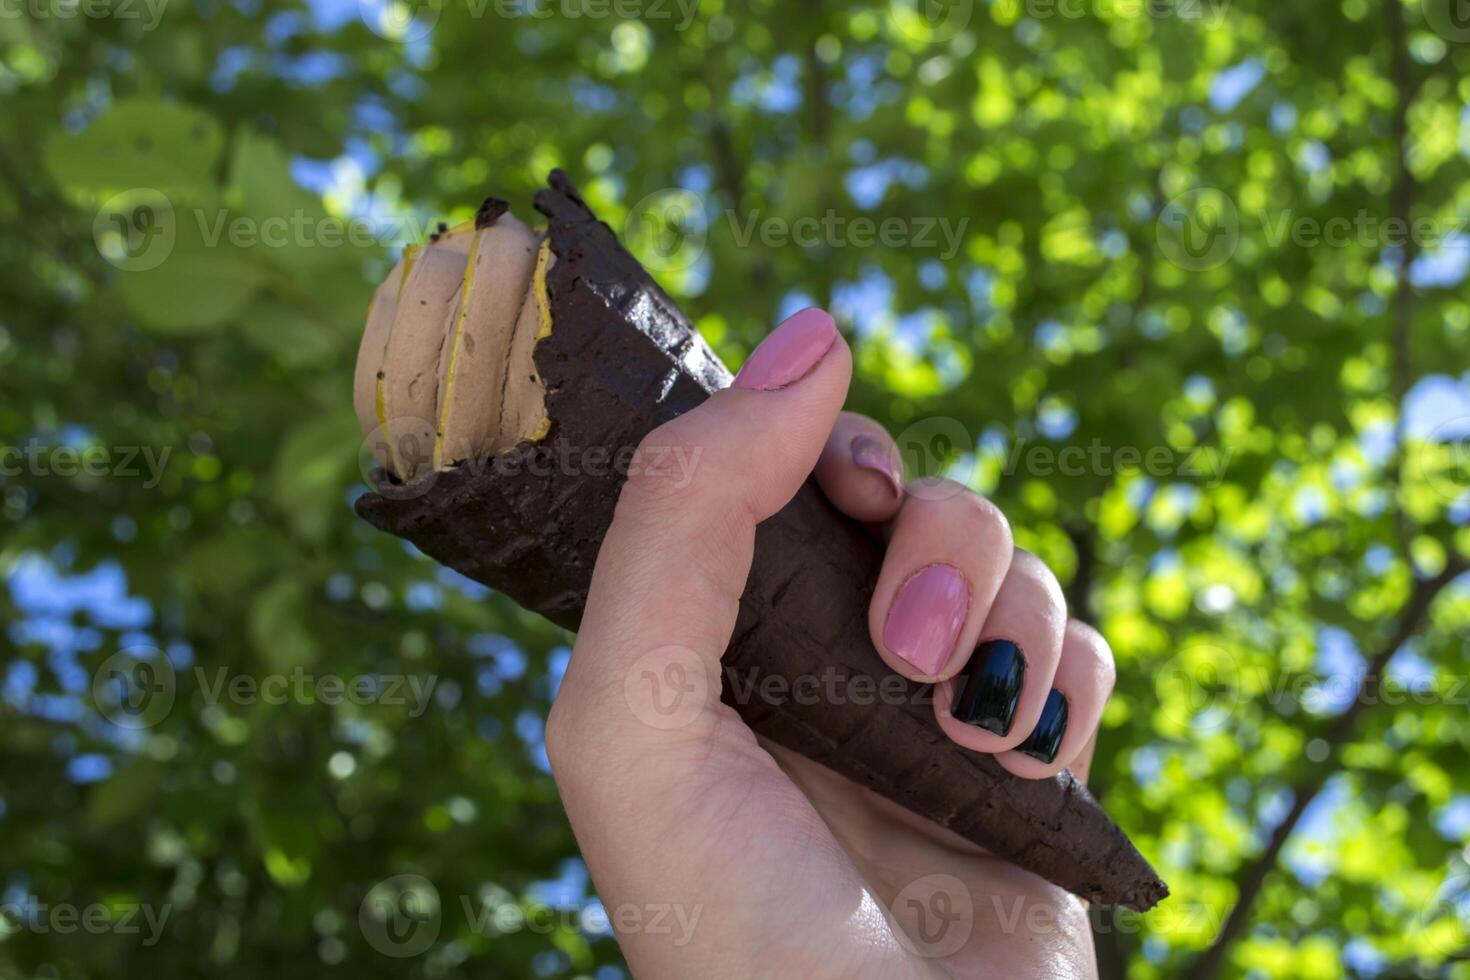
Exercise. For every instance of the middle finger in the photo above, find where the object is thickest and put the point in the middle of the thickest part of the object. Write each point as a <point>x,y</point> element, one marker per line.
<point>946,558</point>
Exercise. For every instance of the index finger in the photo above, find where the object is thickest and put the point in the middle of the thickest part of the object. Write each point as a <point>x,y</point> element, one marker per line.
<point>860,470</point>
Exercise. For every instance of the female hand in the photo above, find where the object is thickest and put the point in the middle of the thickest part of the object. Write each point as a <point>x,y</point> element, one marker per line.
<point>715,854</point>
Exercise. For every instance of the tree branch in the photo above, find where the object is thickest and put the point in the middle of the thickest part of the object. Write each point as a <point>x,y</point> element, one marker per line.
<point>1079,590</point>
<point>1342,732</point>
<point>818,101</point>
<point>1112,946</point>
<point>727,162</point>
<point>1345,727</point>
<point>1401,204</point>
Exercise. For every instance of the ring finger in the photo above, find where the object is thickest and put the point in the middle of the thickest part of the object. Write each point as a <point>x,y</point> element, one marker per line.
<point>996,702</point>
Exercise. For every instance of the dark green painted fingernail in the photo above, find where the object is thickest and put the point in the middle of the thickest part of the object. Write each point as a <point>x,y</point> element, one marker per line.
<point>1046,738</point>
<point>991,688</point>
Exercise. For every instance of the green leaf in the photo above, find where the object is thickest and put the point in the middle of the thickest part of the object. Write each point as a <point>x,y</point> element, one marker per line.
<point>289,336</point>
<point>126,794</point>
<point>278,627</point>
<point>232,560</point>
<point>150,143</point>
<point>292,229</point>
<point>312,469</point>
<point>200,281</point>
<point>261,182</point>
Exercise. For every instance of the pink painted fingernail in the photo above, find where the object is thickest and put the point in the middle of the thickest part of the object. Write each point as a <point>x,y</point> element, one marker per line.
<point>871,454</point>
<point>792,349</point>
<point>925,618</point>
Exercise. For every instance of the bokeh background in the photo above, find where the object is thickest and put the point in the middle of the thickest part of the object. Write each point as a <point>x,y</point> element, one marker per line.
<point>1200,328</point>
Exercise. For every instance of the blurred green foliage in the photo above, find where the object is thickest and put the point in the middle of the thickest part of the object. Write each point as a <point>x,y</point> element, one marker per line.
<point>1144,274</point>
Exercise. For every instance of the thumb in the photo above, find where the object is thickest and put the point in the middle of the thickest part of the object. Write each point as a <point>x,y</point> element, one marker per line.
<point>651,767</point>
<point>666,589</point>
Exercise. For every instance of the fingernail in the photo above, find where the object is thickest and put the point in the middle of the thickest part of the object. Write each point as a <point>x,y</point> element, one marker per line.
<point>1046,738</point>
<point>992,687</point>
<point>925,618</point>
<point>871,454</point>
<point>793,349</point>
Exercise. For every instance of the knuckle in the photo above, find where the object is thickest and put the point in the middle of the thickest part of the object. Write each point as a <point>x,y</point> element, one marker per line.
<point>986,520</point>
<point>667,464</point>
<point>851,425</point>
<point>673,495</point>
<point>1088,642</point>
<point>1038,577</point>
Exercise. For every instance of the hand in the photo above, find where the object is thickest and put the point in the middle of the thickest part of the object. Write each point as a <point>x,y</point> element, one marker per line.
<point>718,855</point>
